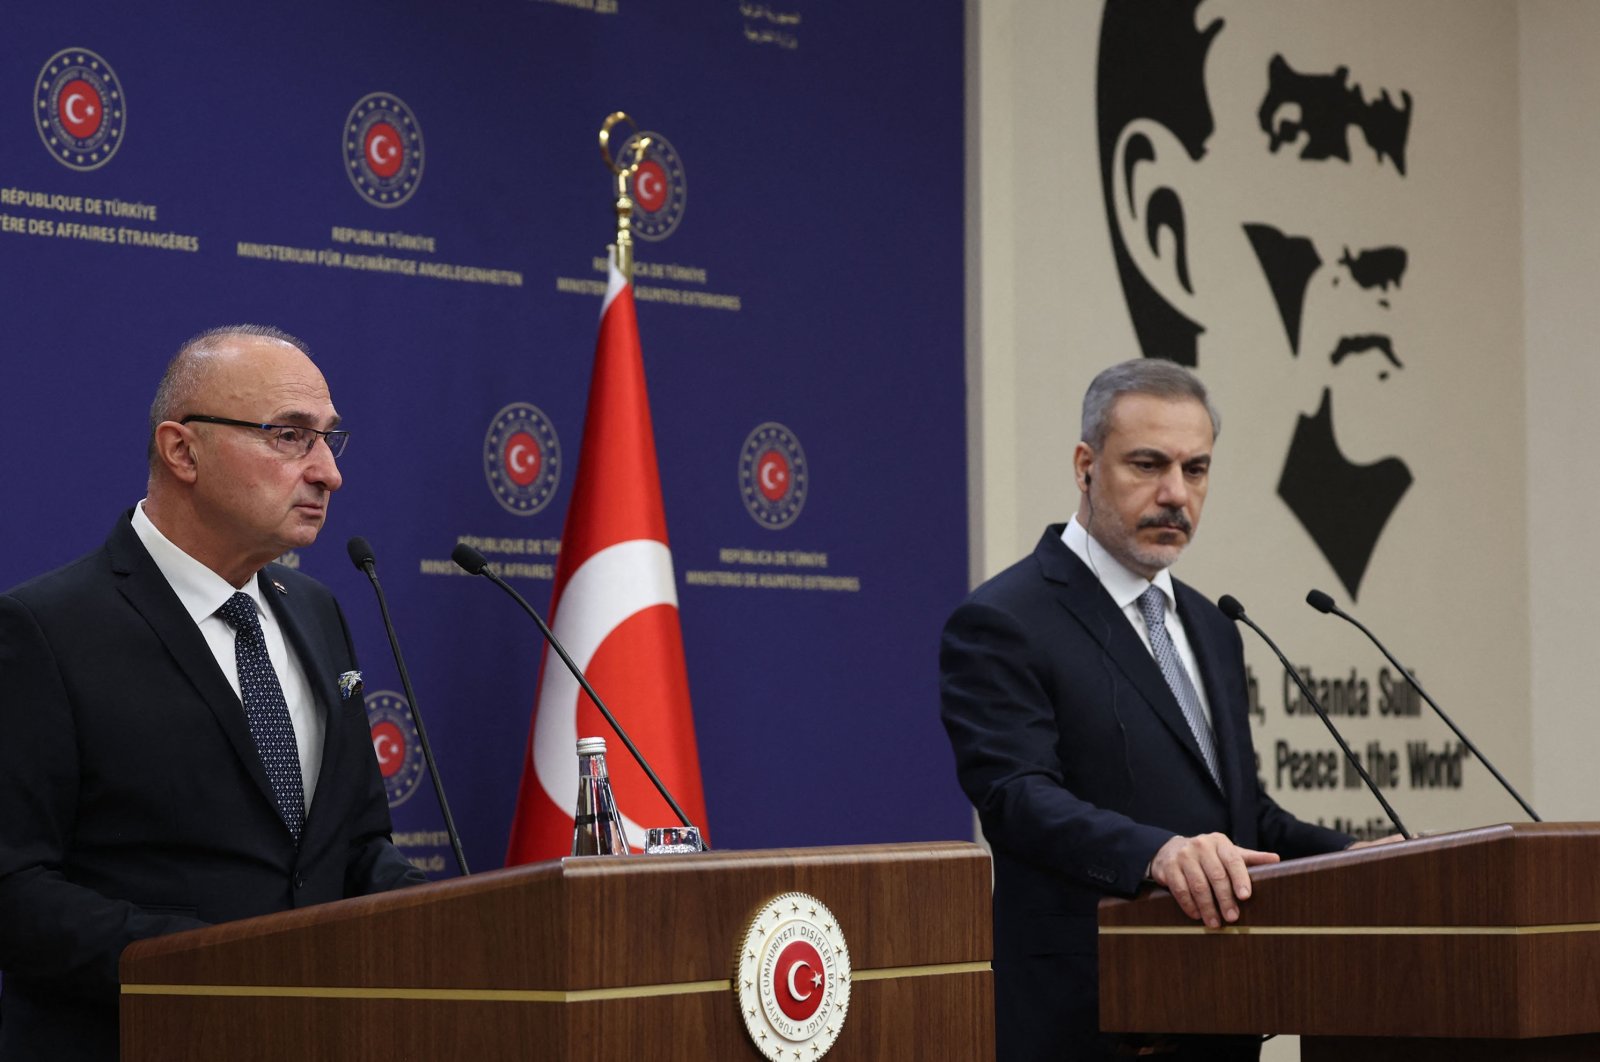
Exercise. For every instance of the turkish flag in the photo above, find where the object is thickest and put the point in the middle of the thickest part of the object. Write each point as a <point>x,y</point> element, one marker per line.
<point>615,609</point>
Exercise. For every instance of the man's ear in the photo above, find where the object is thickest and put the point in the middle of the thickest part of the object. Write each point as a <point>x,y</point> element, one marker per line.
<point>175,451</point>
<point>1150,169</point>
<point>1082,465</point>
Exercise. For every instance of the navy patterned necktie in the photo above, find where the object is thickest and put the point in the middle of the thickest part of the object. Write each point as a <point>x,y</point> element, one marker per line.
<point>265,710</point>
<point>1153,605</point>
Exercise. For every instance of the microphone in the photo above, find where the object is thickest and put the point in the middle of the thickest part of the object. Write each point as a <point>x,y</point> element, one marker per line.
<point>473,563</point>
<point>362,557</point>
<point>1323,603</point>
<point>1233,610</point>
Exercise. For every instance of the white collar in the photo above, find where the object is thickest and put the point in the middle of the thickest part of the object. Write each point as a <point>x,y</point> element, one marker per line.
<point>1123,584</point>
<point>200,590</point>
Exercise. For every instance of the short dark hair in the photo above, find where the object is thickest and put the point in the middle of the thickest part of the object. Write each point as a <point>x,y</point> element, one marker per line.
<point>1140,376</point>
<point>1151,64</point>
<point>187,366</point>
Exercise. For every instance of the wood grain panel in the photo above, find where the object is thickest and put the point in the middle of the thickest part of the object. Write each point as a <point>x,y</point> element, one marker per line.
<point>507,964</point>
<point>1488,936</point>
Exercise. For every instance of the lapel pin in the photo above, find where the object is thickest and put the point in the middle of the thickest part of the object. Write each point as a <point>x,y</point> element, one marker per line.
<point>280,587</point>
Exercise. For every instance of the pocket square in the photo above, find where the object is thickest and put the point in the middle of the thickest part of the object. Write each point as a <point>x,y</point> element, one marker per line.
<point>349,685</point>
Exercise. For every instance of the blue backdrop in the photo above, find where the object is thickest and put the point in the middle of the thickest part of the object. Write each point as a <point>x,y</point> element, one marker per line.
<point>815,235</point>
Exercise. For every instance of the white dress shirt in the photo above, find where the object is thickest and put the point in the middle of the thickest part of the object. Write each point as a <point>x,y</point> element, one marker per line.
<point>201,592</point>
<point>1125,588</point>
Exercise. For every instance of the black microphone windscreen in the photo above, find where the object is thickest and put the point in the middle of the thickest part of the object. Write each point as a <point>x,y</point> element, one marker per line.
<point>1320,601</point>
<point>360,553</point>
<point>1230,607</point>
<point>471,561</point>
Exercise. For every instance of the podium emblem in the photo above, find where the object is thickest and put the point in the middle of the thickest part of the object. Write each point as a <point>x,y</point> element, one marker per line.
<point>792,975</point>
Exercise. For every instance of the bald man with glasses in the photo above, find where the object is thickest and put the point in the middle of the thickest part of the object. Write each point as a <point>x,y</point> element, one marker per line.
<point>182,735</point>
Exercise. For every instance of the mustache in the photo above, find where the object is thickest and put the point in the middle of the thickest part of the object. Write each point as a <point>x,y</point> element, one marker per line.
<point>1349,345</point>
<point>1172,518</point>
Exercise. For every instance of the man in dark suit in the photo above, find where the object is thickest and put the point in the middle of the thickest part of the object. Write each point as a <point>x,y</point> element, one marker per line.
<point>1097,708</point>
<point>182,734</point>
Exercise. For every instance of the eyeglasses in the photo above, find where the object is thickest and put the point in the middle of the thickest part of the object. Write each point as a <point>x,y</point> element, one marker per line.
<point>296,440</point>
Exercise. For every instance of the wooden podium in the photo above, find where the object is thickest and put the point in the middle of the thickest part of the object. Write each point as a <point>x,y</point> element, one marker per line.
<point>1483,944</point>
<point>604,957</point>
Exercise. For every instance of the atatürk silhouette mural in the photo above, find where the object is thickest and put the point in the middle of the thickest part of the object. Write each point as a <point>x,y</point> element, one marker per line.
<point>1227,160</point>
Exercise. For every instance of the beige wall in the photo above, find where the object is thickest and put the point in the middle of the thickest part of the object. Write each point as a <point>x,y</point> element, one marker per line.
<point>1560,97</point>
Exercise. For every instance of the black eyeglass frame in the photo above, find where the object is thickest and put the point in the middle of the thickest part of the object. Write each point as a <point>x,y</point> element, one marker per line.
<point>336,439</point>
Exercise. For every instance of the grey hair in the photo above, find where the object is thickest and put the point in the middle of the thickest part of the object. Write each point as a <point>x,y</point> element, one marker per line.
<point>189,366</point>
<point>1140,376</point>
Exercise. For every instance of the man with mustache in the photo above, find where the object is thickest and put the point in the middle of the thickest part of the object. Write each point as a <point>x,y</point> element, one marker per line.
<point>1099,716</point>
<point>182,735</point>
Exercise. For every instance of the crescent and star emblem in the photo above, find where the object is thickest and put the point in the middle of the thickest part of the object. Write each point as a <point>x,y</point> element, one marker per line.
<point>792,976</point>
<point>774,477</point>
<point>815,979</point>
<point>70,108</point>
<point>79,109</point>
<point>659,188</point>
<point>375,150</point>
<point>383,149</point>
<point>394,746</point>
<point>516,458</point>
<point>522,460</point>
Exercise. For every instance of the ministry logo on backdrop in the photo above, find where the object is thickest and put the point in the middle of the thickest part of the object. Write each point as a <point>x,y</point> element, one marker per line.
<point>773,476</point>
<point>1226,156</point>
<point>660,189</point>
<point>79,109</point>
<point>522,458</point>
<point>383,152</point>
<point>395,744</point>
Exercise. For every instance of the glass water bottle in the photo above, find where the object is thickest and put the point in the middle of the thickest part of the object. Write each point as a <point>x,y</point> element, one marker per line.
<point>597,827</point>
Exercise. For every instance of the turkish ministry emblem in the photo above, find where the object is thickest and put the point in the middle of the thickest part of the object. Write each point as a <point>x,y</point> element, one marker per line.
<point>793,978</point>
<point>383,153</point>
<point>79,109</point>
<point>773,475</point>
<point>395,744</point>
<point>660,191</point>
<point>522,458</point>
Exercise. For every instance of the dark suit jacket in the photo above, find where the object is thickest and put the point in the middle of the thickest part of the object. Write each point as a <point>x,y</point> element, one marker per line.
<point>1081,765</point>
<point>132,800</point>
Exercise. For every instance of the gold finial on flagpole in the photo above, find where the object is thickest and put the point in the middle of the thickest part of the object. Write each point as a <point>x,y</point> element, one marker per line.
<point>623,174</point>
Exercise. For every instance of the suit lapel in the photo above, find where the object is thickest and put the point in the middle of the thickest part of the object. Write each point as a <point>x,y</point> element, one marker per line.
<point>1206,641</point>
<point>148,591</point>
<point>291,613</point>
<point>1079,590</point>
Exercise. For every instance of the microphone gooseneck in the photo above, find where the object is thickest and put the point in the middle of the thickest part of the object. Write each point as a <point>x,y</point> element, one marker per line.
<point>1233,610</point>
<point>473,563</point>
<point>362,557</point>
<point>1323,603</point>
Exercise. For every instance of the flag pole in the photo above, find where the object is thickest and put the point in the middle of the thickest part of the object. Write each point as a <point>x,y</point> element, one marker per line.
<point>622,174</point>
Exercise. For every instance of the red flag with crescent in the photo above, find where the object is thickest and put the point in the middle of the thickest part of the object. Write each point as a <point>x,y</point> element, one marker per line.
<point>615,609</point>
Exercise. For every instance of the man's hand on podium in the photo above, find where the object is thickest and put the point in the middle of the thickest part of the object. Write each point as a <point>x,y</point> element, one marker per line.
<point>1208,875</point>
